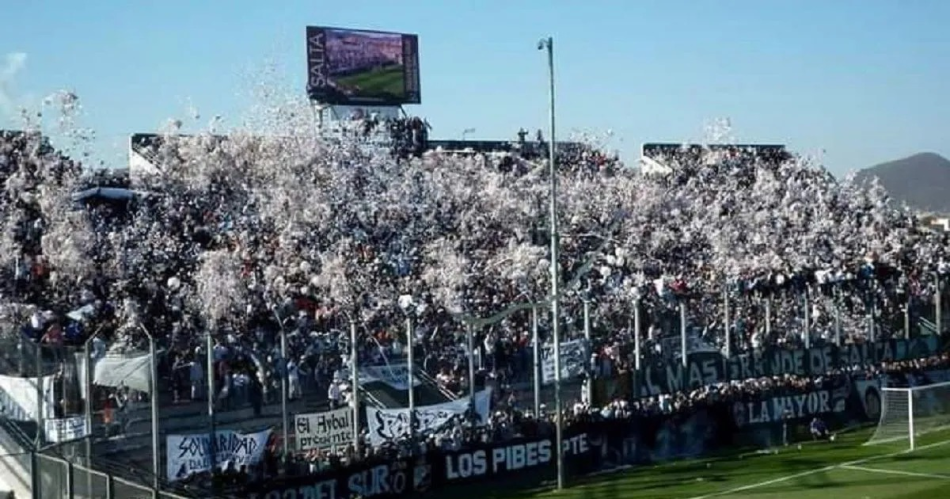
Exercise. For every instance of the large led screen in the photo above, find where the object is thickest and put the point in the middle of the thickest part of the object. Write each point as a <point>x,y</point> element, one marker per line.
<point>357,67</point>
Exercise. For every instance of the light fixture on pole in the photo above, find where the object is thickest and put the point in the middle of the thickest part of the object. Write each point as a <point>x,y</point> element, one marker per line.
<point>548,44</point>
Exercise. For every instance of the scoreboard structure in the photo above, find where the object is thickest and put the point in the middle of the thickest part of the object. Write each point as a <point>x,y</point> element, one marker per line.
<point>352,67</point>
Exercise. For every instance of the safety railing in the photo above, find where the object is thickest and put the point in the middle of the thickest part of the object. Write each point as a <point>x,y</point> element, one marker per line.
<point>59,478</point>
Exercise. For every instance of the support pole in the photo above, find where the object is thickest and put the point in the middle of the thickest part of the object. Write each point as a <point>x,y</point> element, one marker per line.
<point>212,431</point>
<point>726,319</point>
<point>471,367</point>
<point>938,304</point>
<point>536,360</point>
<point>36,474</point>
<point>548,43</point>
<point>87,409</point>
<point>40,427</point>
<point>683,349</point>
<point>412,379</point>
<point>284,391</point>
<point>806,326</point>
<point>768,318</point>
<point>69,482</point>
<point>589,382</point>
<point>156,443</point>
<point>355,378</point>
<point>837,308</point>
<point>636,335</point>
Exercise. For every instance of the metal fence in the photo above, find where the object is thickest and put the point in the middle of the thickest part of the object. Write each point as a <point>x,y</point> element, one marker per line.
<point>59,478</point>
<point>10,463</point>
<point>131,427</point>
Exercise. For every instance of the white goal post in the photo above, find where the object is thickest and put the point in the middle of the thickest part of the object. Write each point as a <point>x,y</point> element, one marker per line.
<point>907,413</point>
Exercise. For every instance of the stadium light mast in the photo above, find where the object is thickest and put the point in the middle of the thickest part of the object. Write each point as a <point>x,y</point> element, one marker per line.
<point>548,44</point>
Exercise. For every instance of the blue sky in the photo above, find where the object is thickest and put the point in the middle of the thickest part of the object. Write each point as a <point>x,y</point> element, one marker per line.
<point>864,81</point>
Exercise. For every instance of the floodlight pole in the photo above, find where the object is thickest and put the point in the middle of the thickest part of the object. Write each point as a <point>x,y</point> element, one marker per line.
<point>548,44</point>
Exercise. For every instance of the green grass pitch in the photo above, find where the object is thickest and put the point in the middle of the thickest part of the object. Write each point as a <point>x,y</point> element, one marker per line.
<point>844,469</point>
<point>386,81</point>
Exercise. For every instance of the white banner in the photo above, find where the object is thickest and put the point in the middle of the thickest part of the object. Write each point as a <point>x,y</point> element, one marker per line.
<point>394,375</point>
<point>133,371</point>
<point>66,429</point>
<point>18,398</point>
<point>390,424</point>
<point>574,360</point>
<point>189,454</point>
<point>324,430</point>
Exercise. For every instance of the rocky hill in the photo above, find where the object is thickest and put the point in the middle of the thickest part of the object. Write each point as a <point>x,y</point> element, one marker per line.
<point>921,180</point>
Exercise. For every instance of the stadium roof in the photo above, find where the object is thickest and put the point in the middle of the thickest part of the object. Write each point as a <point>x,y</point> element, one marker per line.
<point>143,147</point>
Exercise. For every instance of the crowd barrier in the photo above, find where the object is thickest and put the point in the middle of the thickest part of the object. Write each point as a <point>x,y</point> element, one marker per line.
<point>60,478</point>
<point>594,445</point>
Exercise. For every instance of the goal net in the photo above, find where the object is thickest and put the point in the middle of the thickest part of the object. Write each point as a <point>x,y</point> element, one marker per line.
<point>907,413</point>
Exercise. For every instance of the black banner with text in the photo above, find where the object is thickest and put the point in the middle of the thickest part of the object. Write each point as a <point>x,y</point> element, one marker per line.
<point>761,419</point>
<point>383,480</point>
<point>706,368</point>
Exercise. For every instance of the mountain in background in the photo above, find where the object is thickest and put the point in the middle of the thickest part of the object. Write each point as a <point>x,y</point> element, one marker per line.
<point>922,181</point>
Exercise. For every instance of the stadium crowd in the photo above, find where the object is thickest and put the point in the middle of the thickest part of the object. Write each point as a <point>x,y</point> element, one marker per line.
<point>250,236</point>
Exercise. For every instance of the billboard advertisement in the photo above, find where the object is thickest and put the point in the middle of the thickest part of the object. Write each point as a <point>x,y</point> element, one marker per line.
<point>357,67</point>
